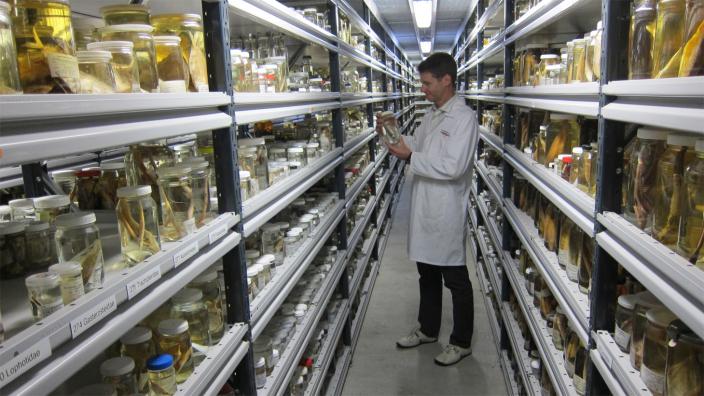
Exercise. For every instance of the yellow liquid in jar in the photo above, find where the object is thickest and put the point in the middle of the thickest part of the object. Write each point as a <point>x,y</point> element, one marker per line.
<point>669,37</point>
<point>190,29</point>
<point>179,347</point>
<point>691,231</point>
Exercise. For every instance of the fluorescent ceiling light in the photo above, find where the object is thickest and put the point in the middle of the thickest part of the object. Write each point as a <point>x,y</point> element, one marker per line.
<point>425,47</point>
<point>423,13</point>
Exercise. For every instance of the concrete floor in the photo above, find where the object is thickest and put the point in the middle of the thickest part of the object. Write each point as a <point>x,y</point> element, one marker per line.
<point>379,368</point>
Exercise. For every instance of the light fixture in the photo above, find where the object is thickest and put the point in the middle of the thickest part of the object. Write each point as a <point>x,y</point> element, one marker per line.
<point>423,13</point>
<point>425,46</point>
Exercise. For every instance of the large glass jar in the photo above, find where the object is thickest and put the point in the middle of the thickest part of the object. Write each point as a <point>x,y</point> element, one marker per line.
<point>531,60</point>
<point>575,252</point>
<point>546,60</point>
<point>12,249</point>
<point>119,372</point>
<point>188,305</point>
<point>669,37</point>
<point>189,28</point>
<point>691,64</point>
<point>685,361</point>
<point>691,230</point>
<point>50,206</point>
<point>65,179</point>
<point>581,363</point>
<point>651,145</point>
<point>200,176</point>
<point>572,346</point>
<point>45,46</point>
<point>645,302</point>
<point>586,263</point>
<point>624,320</point>
<point>138,224</point>
<point>589,58</point>
<point>141,37</point>
<point>112,177</point>
<point>273,242</point>
<point>123,62</point>
<point>391,132</point>
<point>580,51</point>
<point>173,75</point>
<point>78,239</point>
<point>9,76</point>
<point>175,340</point>
<point>125,13</point>
<point>137,344</point>
<point>88,188</point>
<point>175,189</point>
<point>562,135</point>
<point>209,285</point>
<point>96,72</point>
<point>141,163</point>
<point>652,370</point>
<point>40,247</point>
<point>640,41</point>
<point>669,190</point>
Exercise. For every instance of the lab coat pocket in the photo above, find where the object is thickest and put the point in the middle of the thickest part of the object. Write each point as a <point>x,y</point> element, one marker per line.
<point>433,208</point>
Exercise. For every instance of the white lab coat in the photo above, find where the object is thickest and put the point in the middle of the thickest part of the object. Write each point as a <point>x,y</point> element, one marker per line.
<point>441,165</point>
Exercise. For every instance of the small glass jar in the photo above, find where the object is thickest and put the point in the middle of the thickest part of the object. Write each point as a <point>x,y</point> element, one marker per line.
<point>200,176</point>
<point>560,329</point>
<point>119,372</point>
<point>88,189</point>
<point>49,207</point>
<point>70,280</point>
<point>9,75</point>
<point>294,240</point>
<point>580,52</point>
<point>78,239</point>
<point>245,184</point>
<point>5,213</point>
<point>172,72</point>
<point>44,294</point>
<point>273,242</point>
<point>268,264</point>
<point>188,304</point>
<point>253,282</point>
<point>21,209</point>
<point>260,372</point>
<point>65,179</point>
<point>137,344</point>
<point>624,320</point>
<point>546,60</point>
<point>175,340</point>
<point>263,348</point>
<point>645,302</point>
<point>13,251</point>
<point>685,361</point>
<point>142,162</point>
<point>295,154</point>
<point>112,177</point>
<point>97,76</point>
<point>312,150</point>
<point>137,223</point>
<point>251,256</point>
<point>127,13</point>
<point>261,276</point>
<point>652,369</point>
<point>209,285</point>
<point>175,185</point>
<point>189,27</point>
<point>260,168</point>
<point>39,246</point>
<point>141,36</point>
<point>162,375</point>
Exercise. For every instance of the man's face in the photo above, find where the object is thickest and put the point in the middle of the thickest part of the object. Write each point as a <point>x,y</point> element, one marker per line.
<point>434,88</point>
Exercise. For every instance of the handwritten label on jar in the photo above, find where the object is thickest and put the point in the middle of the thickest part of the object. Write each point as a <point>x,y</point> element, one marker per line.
<point>185,254</point>
<point>65,67</point>
<point>217,233</point>
<point>93,316</point>
<point>147,279</point>
<point>24,361</point>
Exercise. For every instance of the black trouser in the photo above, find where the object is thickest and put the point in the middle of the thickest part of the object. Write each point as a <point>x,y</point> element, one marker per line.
<point>430,311</point>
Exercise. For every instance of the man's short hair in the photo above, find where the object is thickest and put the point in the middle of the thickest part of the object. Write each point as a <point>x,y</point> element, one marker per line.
<point>439,64</point>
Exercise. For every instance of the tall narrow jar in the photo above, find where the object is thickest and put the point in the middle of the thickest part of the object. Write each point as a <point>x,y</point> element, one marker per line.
<point>138,224</point>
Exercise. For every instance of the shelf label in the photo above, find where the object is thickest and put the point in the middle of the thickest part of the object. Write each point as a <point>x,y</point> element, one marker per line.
<point>147,279</point>
<point>185,254</point>
<point>93,316</point>
<point>217,233</point>
<point>24,361</point>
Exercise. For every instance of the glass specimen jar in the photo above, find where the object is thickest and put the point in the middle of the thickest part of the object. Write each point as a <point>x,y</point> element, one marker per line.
<point>581,362</point>
<point>652,369</point>
<point>575,252</point>
<point>47,208</point>
<point>188,305</point>
<point>44,294</point>
<point>684,366</point>
<point>173,75</point>
<point>189,28</point>
<point>21,209</point>
<point>252,282</point>
<point>391,132</point>
<point>175,340</point>
<point>125,14</point>
<point>651,145</point>
<point>245,186</point>
<point>141,36</point>
<point>260,372</point>
<point>70,280</point>
<point>580,52</point>
<point>263,348</point>
<point>88,188</point>
<point>65,179</point>
<point>175,189</point>
<point>141,163</point>
<point>273,242</point>
<point>624,320</point>
<point>669,38</point>
<point>137,344</point>
<point>295,154</point>
<point>562,135</point>
<point>112,177</point>
<point>138,223</point>
<point>124,64</point>
<point>640,40</point>
<point>5,213</point>
<point>251,255</point>
<point>691,228</point>
<point>531,60</point>
<point>559,329</point>
<point>96,72</point>
<point>691,64</point>
<point>586,263</point>
<point>563,249</point>
<point>550,225</point>
<point>12,249</point>
<point>200,176</point>
<point>119,372</point>
<point>312,151</point>
<point>546,60</point>
<point>646,301</point>
<point>9,76</point>
<point>260,171</point>
<point>162,375</point>
<point>78,239</point>
<point>209,286</point>
<point>45,46</point>
<point>572,345</point>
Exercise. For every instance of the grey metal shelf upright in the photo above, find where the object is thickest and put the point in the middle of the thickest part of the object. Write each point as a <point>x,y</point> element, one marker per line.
<point>671,103</point>
<point>67,133</point>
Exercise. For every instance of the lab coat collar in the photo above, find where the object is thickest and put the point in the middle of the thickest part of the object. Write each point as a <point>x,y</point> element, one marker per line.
<point>447,107</point>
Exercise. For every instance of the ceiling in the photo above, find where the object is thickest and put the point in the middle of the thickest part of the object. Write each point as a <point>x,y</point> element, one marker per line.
<point>449,18</point>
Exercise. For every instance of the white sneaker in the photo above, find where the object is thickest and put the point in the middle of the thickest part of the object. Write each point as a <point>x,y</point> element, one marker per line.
<point>452,354</point>
<point>415,338</point>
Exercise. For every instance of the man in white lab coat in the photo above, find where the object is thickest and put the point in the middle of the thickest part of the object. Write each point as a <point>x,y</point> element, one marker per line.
<point>440,156</point>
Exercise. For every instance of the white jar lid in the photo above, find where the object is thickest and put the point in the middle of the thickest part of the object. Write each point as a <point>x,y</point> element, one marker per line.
<point>674,139</point>
<point>296,229</point>
<point>652,133</point>
<point>295,164</point>
<point>236,52</point>
<point>51,201</point>
<point>244,175</point>
<point>68,268</point>
<point>136,335</point>
<point>187,295</point>
<point>562,116</point>
<point>42,279</point>
<point>117,366</point>
<point>168,171</point>
<point>577,150</point>
<point>628,301</point>
<point>295,149</point>
<point>299,314</point>
<point>257,268</point>
<point>245,54</point>
<point>252,271</point>
<point>171,327</point>
<point>267,258</point>
<point>94,56</point>
<point>137,191</point>
<point>549,56</point>
<point>270,227</point>
<point>75,219</point>
<point>127,27</point>
<point>167,39</point>
<point>110,45</point>
<point>22,203</point>
<point>261,362</point>
<point>206,277</point>
<point>5,210</point>
<point>12,227</point>
<point>313,145</point>
<point>301,307</point>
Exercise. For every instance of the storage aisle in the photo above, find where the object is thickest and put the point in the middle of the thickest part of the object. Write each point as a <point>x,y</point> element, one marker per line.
<point>379,368</point>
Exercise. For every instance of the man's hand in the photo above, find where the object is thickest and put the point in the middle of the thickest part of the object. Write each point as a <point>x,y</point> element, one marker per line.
<point>400,149</point>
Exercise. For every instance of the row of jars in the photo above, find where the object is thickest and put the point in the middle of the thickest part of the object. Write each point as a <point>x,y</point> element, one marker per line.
<point>664,349</point>
<point>354,122</point>
<point>665,39</point>
<point>355,166</point>
<point>663,186</point>
<point>260,64</point>
<point>41,55</point>
<point>269,346</point>
<point>521,7</point>
<point>494,82</point>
